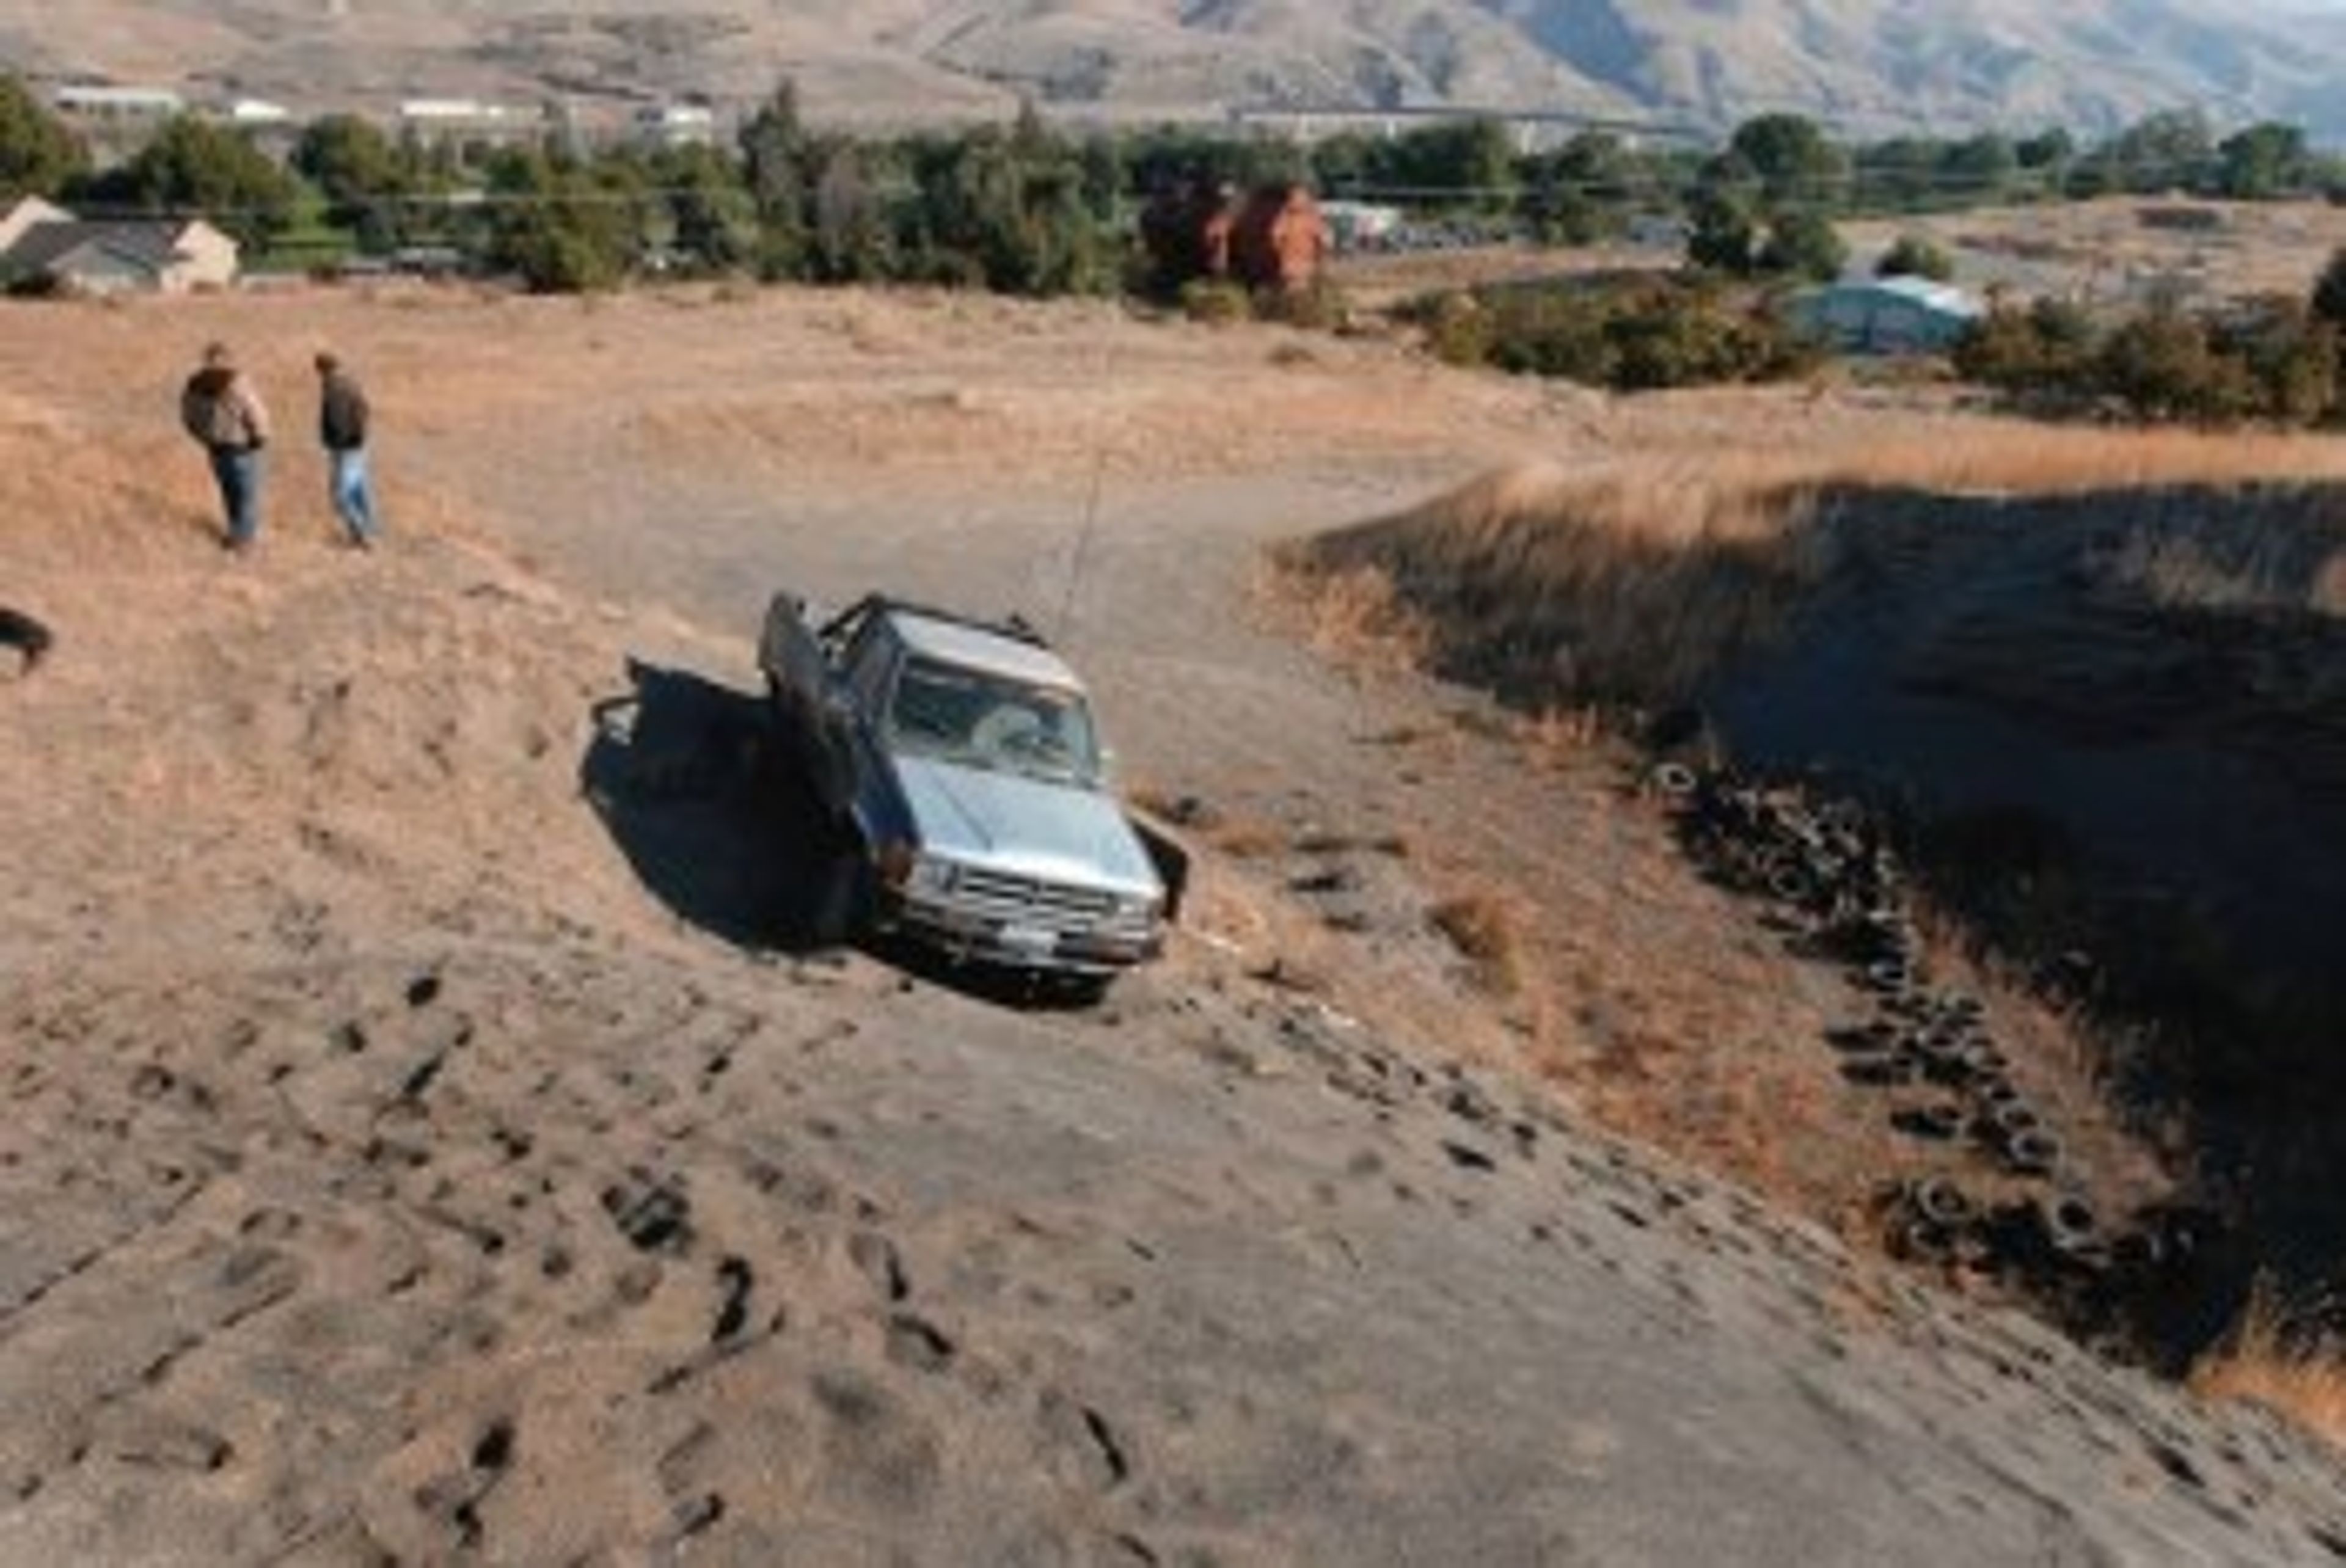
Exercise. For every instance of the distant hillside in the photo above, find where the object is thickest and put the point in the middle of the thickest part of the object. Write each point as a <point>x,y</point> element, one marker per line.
<point>1871,67</point>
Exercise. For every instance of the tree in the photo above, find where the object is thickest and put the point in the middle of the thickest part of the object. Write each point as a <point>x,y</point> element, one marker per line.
<point>1467,163</point>
<point>195,169</point>
<point>348,160</point>
<point>853,239</point>
<point>1105,177</point>
<point>777,159</point>
<point>37,154</point>
<point>1802,243</point>
<point>712,220</point>
<point>559,228</point>
<point>1723,232</point>
<point>2048,151</point>
<point>2263,161</point>
<point>1006,210</point>
<point>1901,175</point>
<point>1582,191</point>
<point>1980,168</point>
<point>1795,165</point>
<point>2169,150</point>
<point>362,173</point>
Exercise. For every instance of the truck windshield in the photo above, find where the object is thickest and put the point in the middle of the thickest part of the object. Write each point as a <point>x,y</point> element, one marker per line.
<point>992,721</point>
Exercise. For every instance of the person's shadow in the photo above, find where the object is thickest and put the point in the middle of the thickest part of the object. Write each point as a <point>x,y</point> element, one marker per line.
<point>689,779</point>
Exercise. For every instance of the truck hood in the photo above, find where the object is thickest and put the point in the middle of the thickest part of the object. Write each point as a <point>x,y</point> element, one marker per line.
<point>1060,832</point>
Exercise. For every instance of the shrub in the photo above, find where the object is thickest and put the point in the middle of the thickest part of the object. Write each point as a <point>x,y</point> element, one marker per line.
<point>1631,337</point>
<point>2162,366</point>
<point>2037,354</point>
<point>2290,356</point>
<point>2330,290</point>
<point>1487,934</point>
<point>1915,255</point>
<point>1215,300</point>
<point>1458,330</point>
<point>1319,306</point>
<point>2276,359</point>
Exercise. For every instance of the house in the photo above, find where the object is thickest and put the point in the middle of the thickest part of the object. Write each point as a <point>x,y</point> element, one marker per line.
<point>1278,238</point>
<point>64,254</point>
<point>1905,315</point>
<point>1274,237</point>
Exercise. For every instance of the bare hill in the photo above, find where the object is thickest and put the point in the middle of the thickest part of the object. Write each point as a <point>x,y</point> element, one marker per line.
<point>1868,67</point>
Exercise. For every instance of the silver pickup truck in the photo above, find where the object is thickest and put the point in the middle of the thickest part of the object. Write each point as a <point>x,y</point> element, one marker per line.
<point>961,758</point>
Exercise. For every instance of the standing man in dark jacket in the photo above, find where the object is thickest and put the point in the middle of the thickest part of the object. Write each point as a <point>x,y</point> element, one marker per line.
<point>342,416</point>
<point>220,409</point>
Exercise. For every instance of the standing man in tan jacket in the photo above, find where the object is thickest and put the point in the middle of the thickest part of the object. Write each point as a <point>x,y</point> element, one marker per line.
<point>220,409</point>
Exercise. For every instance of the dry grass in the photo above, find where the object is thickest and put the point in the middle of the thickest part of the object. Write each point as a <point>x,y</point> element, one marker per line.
<point>2265,1362</point>
<point>1638,577</point>
<point>1353,617</point>
<point>2015,457</point>
<point>1488,933</point>
<point>2262,561</point>
<point>1542,583</point>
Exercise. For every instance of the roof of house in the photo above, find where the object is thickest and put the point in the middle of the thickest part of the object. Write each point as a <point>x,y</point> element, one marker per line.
<point>151,243</point>
<point>44,245</point>
<point>1930,295</point>
<point>33,210</point>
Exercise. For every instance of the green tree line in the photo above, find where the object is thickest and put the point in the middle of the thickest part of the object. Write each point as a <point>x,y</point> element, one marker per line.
<point>1028,208</point>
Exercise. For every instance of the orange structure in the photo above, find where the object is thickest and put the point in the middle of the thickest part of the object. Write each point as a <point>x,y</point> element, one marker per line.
<point>1274,239</point>
<point>1278,240</point>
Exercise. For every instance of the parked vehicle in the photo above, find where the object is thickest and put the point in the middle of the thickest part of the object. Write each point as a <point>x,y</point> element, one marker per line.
<point>960,757</point>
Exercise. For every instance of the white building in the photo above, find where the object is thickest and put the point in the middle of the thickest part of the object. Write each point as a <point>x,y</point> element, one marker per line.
<point>469,120</point>
<point>107,106</point>
<point>676,124</point>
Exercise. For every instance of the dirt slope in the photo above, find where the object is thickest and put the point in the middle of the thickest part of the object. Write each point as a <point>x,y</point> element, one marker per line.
<point>409,1159</point>
<point>2103,721</point>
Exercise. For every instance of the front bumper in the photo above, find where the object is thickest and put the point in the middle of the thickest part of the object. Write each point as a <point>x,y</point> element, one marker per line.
<point>970,936</point>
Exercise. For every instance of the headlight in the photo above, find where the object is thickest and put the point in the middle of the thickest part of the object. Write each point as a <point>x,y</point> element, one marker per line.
<point>1136,909</point>
<point>931,876</point>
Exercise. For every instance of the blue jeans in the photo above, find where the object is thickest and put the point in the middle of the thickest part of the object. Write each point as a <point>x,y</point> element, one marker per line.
<point>352,493</point>
<point>238,470</point>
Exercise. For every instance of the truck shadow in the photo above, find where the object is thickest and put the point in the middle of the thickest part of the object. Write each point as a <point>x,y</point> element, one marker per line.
<point>684,774</point>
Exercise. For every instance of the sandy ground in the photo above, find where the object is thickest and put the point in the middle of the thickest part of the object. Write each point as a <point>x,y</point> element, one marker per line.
<point>426,1147</point>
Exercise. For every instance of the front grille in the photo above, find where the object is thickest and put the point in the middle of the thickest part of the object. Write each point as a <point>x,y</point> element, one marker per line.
<point>1030,901</point>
